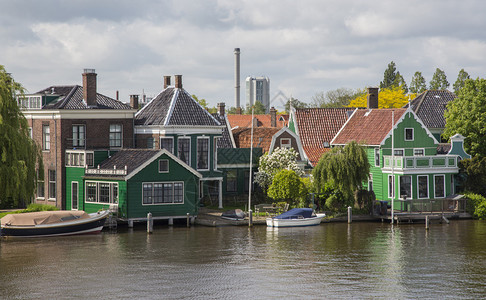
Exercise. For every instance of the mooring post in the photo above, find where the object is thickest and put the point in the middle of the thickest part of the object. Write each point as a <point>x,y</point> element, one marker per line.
<point>250,218</point>
<point>188,220</point>
<point>130,223</point>
<point>427,222</point>
<point>150,223</point>
<point>350,214</point>
<point>171,221</point>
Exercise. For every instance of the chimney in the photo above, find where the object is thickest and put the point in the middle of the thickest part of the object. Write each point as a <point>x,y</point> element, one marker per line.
<point>134,101</point>
<point>89,87</point>
<point>166,81</point>
<point>372,98</point>
<point>221,108</point>
<point>255,122</point>
<point>237,77</point>
<point>117,95</point>
<point>238,110</point>
<point>273,117</point>
<point>178,81</point>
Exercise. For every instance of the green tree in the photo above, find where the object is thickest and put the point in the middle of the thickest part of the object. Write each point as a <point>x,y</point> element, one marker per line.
<point>389,77</point>
<point>461,80</point>
<point>393,97</point>
<point>288,186</point>
<point>466,115</point>
<point>336,98</point>
<point>204,104</point>
<point>418,85</point>
<point>295,104</point>
<point>19,154</point>
<point>258,108</point>
<point>439,81</point>
<point>346,168</point>
<point>271,164</point>
<point>400,82</point>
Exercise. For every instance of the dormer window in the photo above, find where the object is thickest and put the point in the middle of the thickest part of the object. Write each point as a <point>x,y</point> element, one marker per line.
<point>285,143</point>
<point>409,134</point>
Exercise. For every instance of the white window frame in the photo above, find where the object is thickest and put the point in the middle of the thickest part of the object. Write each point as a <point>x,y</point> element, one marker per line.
<point>54,182</point>
<point>41,184</point>
<point>444,188</point>
<point>111,195</point>
<point>411,190</point>
<point>399,149</point>
<point>78,139</point>
<point>116,132</point>
<point>46,137</point>
<point>172,194</point>
<point>421,149</point>
<point>179,150</point>
<point>405,135</point>
<point>288,146</point>
<point>215,152</point>
<point>391,193</point>
<point>370,182</point>
<point>72,195</point>
<point>377,155</point>
<point>207,153</point>
<point>161,161</point>
<point>418,186</point>
<point>167,138</point>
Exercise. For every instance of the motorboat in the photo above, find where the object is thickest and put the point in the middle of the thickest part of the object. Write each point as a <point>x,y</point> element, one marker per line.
<point>296,217</point>
<point>233,214</point>
<point>52,223</point>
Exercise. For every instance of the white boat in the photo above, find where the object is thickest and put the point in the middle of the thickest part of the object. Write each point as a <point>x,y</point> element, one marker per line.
<point>296,217</point>
<point>52,223</point>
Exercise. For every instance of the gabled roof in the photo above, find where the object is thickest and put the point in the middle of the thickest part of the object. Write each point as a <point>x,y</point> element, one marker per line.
<point>226,139</point>
<point>262,137</point>
<point>286,130</point>
<point>315,126</point>
<point>368,126</point>
<point>71,97</point>
<point>430,107</point>
<point>174,107</point>
<point>135,160</point>
<point>262,120</point>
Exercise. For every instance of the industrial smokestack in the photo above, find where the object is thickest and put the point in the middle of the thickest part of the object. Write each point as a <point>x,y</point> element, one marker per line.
<point>237,77</point>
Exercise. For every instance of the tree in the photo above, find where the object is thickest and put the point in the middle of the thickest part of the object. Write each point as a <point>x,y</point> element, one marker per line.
<point>271,164</point>
<point>400,82</point>
<point>258,108</point>
<point>418,85</point>
<point>466,115</point>
<point>393,97</point>
<point>461,80</point>
<point>346,168</point>
<point>19,154</point>
<point>336,98</point>
<point>389,77</point>
<point>204,104</point>
<point>439,81</point>
<point>288,186</point>
<point>295,104</point>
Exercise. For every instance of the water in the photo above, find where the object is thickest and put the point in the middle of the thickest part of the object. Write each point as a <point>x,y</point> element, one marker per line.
<point>361,260</point>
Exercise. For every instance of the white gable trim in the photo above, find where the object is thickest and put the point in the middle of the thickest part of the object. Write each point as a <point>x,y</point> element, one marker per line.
<point>207,112</point>
<point>302,154</point>
<point>171,107</point>
<point>146,105</point>
<point>229,131</point>
<point>342,127</point>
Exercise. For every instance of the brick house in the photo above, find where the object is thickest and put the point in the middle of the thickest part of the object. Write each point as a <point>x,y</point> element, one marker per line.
<point>68,122</point>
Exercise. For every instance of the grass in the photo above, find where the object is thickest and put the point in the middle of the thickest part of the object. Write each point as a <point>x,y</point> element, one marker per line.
<point>31,208</point>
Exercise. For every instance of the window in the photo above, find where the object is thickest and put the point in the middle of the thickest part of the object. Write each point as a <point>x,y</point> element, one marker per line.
<point>398,152</point>
<point>163,166</point>
<point>202,153</point>
<point>419,152</point>
<point>78,136</point>
<point>46,138</point>
<point>75,159</point>
<point>423,186</point>
<point>391,184</point>
<point>162,193</point>
<point>52,184</point>
<point>40,189</point>
<point>90,159</point>
<point>116,135</point>
<point>285,143</point>
<point>150,143</point>
<point>370,182</point>
<point>231,181</point>
<point>74,195</point>
<point>406,187</point>
<point>439,186</point>
<point>101,192</point>
<point>184,149</point>
<point>377,157</point>
<point>409,134</point>
<point>215,153</point>
<point>167,144</point>
<point>30,133</point>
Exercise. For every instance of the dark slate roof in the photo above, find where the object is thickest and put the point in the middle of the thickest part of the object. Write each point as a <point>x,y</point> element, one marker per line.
<point>71,97</point>
<point>174,106</point>
<point>443,149</point>
<point>430,107</point>
<point>225,140</point>
<point>132,158</point>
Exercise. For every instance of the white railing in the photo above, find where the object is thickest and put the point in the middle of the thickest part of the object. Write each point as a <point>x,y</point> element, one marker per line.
<point>420,162</point>
<point>113,171</point>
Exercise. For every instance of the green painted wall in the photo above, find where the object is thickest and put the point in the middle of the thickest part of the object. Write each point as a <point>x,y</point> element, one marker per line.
<point>74,174</point>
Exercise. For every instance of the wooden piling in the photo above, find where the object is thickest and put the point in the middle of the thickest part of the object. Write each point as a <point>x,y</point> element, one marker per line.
<point>427,221</point>
<point>350,214</point>
<point>150,223</point>
<point>188,220</point>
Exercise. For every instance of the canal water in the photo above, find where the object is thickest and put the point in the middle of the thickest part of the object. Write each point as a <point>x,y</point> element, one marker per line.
<point>334,260</point>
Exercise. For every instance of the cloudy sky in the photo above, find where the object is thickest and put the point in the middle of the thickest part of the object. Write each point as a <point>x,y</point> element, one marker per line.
<point>304,46</point>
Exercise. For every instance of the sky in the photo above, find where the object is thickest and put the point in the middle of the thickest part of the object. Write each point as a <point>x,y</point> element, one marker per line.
<point>305,47</point>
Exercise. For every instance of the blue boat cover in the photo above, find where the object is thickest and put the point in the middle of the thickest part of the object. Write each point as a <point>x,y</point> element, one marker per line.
<point>295,213</point>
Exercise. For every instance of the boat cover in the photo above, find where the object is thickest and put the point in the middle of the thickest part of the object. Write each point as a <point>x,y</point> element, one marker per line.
<point>43,217</point>
<point>295,213</point>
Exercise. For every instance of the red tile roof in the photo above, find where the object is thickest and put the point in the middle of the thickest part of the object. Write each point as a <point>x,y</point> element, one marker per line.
<point>318,125</point>
<point>245,121</point>
<point>368,126</point>
<point>262,137</point>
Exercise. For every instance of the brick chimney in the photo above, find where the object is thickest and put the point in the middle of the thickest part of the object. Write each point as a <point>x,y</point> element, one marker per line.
<point>89,87</point>
<point>372,98</point>
<point>221,106</point>
<point>117,95</point>
<point>166,81</point>
<point>238,110</point>
<point>273,117</point>
<point>178,81</point>
<point>134,101</point>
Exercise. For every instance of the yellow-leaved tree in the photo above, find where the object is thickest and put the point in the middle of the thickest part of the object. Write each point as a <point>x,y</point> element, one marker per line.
<point>393,97</point>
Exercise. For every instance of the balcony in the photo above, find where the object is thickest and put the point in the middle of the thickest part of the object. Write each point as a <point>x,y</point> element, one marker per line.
<point>403,163</point>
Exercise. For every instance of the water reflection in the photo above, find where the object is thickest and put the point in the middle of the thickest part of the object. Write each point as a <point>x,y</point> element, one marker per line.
<point>361,260</point>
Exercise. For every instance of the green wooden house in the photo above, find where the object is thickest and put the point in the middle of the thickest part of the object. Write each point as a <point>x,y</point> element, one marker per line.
<point>409,168</point>
<point>136,181</point>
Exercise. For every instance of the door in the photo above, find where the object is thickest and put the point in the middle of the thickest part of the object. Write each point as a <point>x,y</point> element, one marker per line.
<point>74,195</point>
